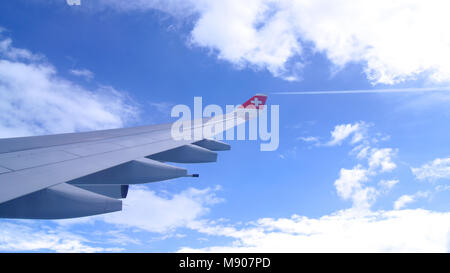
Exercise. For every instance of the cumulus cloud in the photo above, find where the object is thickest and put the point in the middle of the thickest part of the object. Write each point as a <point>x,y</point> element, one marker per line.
<point>358,229</point>
<point>144,210</point>
<point>352,230</point>
<point>35,100</point>
<point>344,231</point>
<point>395,41</point>
<point>352,183</point>
<point>343,131</point>
<point>349,180</point>
<point>26,237</point>
<point>381,159</point>
<point>163,213</point>
<point>147,210</point>
<point>437,169</point>
<point>403,200</point>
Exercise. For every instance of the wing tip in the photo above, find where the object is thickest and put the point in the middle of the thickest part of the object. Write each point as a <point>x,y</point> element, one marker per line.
<point>257,101</point>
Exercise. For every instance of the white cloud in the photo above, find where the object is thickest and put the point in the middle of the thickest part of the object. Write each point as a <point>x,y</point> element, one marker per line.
<point>309,139</point>
<point>387,185</point>
<point>146,210</point>
<point>437,169</point>
<point>85,73</point>
<point>23,237</point>
<point>378,159</point>
<point>350,185</point>
<point>403,200</point>
<point>364,197</point>
<point>351,182</point>
<point>382,159</point>
<point>352,230</point>
<point>343,131</point>
<point>73,2</point>
<point>10,52</point>
<point>394,40</point>
<point>362,151</point>
<point>35,100</point>
<point>440,188</point>
<point>244,34</point>
<point>343,231</point>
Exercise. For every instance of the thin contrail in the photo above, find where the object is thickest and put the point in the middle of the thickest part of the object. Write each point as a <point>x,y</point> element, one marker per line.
<point>366,91</point>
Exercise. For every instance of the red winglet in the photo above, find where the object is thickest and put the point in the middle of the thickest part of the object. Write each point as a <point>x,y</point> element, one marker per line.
<point>256,102</point>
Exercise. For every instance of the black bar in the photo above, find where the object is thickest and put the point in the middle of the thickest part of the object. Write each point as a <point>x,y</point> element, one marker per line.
<point>229,262</point>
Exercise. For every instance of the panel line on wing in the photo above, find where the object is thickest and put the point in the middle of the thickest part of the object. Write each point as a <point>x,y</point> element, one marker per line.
<point>4,170</point>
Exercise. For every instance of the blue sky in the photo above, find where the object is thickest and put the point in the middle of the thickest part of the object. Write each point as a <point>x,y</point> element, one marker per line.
<point>361,172</point>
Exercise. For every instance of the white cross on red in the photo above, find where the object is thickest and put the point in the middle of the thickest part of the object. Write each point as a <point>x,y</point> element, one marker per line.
<point>256,102</point>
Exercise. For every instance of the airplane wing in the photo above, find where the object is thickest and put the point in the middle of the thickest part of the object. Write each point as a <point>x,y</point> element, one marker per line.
<point>82,174</point>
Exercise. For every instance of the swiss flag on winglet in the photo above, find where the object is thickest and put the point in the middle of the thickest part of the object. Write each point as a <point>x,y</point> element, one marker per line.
<point>256,102</point>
